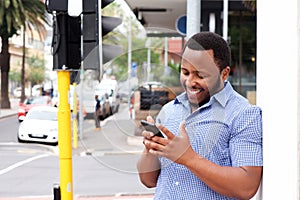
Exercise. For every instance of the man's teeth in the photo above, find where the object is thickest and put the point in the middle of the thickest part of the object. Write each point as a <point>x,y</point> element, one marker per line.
<point>194,91</point>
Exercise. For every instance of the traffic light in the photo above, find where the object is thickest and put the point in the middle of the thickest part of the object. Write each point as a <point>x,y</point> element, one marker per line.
<point>56,5</point>
<point>66,41</point>
<point>91,35</point>
<point>66,45</point>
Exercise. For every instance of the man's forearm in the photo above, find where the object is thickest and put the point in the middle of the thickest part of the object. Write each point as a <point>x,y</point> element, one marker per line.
<point>149,168</point>
<point>237,182</point>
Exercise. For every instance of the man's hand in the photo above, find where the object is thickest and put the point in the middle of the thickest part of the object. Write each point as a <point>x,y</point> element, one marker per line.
<point>175,148</point>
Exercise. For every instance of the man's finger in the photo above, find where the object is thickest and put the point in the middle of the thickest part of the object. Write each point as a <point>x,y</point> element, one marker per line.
<point>150,119</point>
<point>168,133</point>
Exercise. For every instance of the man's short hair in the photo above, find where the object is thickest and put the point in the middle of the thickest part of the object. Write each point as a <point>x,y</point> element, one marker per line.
<point>211,41</point>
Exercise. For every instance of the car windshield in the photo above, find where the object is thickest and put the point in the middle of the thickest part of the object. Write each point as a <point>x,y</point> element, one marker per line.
<point>42,115</point>
<point>40,100</point>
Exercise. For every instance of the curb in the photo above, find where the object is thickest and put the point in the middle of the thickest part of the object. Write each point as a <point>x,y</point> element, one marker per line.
<point>131,141</point>
<point>52,149</point>
<point>7,115</point>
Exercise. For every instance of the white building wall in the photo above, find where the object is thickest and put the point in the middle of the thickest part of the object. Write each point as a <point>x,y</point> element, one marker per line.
<point>277,94</point>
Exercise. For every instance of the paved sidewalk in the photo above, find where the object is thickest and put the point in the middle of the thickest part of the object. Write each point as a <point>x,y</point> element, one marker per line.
<point>10,112</point>
<point>115,137</point>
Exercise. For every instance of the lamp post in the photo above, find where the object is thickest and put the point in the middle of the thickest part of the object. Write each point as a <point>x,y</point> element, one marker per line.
<point>148,44</point>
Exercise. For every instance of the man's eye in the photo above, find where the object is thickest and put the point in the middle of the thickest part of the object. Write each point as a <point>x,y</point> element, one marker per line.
<point>201,76</point>
<point>185,72</point>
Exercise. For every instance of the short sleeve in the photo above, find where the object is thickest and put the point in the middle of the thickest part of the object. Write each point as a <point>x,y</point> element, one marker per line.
<point>246,138</point>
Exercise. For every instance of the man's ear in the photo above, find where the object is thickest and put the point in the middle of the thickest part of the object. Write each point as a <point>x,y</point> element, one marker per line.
<point>225,73</point>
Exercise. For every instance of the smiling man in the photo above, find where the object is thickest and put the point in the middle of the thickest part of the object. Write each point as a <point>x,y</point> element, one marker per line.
<point>212,147</point>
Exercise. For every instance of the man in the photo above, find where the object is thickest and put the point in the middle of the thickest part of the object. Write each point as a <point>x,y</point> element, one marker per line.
<point>97,113</point>
<point>212,147</point>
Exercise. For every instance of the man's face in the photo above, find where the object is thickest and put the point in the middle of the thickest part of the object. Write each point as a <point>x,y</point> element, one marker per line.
<point>199,76</point>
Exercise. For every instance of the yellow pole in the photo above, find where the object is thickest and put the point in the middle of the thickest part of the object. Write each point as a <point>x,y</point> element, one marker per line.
<point>64,136</point>
<point>75,127</point>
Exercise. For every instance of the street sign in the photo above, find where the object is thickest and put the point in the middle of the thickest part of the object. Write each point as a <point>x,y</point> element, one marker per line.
<point>181,25</point>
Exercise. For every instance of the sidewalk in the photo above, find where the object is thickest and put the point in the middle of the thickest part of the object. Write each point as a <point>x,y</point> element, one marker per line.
<point>115,137</point>
<point>8,112</point>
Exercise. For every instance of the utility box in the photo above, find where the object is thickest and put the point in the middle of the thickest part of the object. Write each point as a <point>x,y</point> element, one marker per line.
<point>148,99</point>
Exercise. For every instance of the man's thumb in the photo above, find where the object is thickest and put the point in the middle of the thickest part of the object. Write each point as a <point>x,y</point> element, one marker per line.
<point>182,130</point>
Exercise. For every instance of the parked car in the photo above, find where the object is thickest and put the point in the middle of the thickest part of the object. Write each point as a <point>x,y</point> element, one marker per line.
<point>32,102</point>
<point>110,88</point>
<point>36,90</point>
<point>40,125</point>
<point>106,110</point>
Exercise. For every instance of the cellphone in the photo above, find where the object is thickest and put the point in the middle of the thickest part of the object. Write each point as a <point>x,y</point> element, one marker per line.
<point>152,128</point>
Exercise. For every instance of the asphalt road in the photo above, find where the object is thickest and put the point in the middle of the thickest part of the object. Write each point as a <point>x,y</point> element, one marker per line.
<point>108,171</point>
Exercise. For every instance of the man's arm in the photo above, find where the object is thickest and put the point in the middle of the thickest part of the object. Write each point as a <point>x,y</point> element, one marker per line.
<point>148,165</point>
<point>149,168</point>
<point>236,182</point>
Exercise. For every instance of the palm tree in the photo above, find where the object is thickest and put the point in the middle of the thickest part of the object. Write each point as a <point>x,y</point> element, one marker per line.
<point>34,20</point>
<point>14,14</point>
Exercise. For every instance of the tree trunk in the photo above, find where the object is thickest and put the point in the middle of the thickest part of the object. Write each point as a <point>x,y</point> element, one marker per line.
<point>23,70</point>
<point>4,63</point>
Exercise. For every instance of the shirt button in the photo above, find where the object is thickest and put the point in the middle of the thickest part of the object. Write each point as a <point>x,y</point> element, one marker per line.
<point>176,183</point>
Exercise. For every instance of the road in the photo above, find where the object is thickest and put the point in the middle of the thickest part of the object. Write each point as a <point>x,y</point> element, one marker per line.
<point>30,170</point>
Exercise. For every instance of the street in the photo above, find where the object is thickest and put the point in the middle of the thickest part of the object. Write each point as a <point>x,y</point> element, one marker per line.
<point>104,163</point>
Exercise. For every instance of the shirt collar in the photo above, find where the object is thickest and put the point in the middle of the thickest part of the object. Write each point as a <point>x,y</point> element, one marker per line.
<point>182,99</point>
<point>223,95</point>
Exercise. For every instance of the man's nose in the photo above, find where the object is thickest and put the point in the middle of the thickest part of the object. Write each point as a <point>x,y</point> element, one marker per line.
<point>191,80</point>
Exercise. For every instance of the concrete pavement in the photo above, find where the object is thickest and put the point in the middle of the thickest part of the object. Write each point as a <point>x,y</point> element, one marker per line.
<point>116,136</point>
<point>8,112</point>
<point>14,103</point>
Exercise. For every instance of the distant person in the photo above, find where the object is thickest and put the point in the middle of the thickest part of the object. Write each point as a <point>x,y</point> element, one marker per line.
<point>97,113</point>
<point>212,148</point>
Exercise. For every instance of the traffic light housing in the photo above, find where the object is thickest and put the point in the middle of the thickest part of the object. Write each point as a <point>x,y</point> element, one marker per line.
<point>56,5</point>
<point>91,34</point>
<point>67,31</point>
<point>66,45</point>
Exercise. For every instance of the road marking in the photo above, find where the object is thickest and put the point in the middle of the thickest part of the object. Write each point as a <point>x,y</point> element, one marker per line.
<point>18,164</point>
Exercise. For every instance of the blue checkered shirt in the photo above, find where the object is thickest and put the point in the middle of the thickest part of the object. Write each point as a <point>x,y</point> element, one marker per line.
<point>227,131</point>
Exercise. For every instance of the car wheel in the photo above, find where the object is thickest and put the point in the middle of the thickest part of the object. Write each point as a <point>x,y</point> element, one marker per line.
<point>20,140</point>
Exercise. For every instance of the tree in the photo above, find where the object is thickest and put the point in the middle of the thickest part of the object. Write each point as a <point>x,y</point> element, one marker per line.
<point>9,12</point>
<point>15,14</point>
<point>34,20</point>
<point>36,70</point>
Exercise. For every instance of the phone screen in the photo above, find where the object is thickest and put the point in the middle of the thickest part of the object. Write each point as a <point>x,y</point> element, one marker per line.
<point>152,128</point>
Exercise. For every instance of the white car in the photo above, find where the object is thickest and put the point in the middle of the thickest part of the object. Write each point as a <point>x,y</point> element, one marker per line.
<point>40,125</point>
